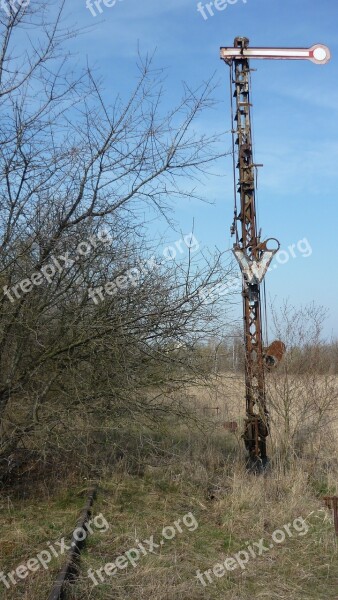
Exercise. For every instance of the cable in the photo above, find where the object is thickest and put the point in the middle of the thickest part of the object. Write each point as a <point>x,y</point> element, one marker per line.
<point>253,146</point>
<point>264,296</point>
<point>265,311</point>
<point>233,148</point>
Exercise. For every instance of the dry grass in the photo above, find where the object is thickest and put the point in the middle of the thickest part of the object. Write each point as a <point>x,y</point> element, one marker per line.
<point>240,508</point>
<point>163,476</point>
<point>26,528</point>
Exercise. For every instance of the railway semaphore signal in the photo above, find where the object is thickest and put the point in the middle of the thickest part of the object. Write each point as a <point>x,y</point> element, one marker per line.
<point>254,255</point>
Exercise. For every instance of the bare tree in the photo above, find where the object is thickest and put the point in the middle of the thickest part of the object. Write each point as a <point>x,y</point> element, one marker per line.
<point>73,164</point>
<point>303,391</point>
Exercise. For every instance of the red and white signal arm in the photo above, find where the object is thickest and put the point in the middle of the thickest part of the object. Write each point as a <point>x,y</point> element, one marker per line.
<point>318,53</point>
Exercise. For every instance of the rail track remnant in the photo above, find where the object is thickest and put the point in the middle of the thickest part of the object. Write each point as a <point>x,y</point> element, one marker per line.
<point>70,570</point>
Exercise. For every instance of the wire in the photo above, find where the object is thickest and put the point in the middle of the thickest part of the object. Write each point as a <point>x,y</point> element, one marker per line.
<point>264,298</point>
<point>253,146</point>
<point>265,316</point>
<point>231,69</point>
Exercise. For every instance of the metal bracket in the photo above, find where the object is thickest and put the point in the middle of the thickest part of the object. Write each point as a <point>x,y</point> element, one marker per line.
<point>254,270</point>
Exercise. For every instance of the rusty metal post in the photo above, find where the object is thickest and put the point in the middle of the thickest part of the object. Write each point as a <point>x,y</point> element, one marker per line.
<point>254,258</point>
<point>332,503</point>
<point>253,255</point>
<point>335,513</point>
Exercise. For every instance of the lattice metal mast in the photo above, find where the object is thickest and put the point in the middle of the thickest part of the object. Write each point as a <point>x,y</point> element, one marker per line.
<point>249,249</point>
<point>253,255</point>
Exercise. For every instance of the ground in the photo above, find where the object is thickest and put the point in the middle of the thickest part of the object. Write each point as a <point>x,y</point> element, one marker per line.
<point>187,487</point>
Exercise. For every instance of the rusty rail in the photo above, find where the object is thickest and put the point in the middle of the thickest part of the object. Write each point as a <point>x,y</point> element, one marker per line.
<point>332,503</point>
<point>216,408</point>
<point>231,426</point>
<point>70,570</point>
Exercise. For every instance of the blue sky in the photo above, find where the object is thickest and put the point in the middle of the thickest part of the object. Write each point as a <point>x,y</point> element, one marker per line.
<point>295,118</point>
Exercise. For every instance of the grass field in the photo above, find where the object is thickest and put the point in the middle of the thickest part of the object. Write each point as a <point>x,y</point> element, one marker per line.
<point>195,470</point>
